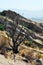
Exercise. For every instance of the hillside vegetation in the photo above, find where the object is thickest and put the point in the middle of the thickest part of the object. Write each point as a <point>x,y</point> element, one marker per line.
<point>26,37</point>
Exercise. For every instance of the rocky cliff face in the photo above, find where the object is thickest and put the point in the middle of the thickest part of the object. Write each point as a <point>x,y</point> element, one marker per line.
<point>27,34</point>
<point>30,24</point>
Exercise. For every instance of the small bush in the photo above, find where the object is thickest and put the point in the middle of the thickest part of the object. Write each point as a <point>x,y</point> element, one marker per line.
<point>29,43</point>
<point>2,13</point>
<point>2,27</point>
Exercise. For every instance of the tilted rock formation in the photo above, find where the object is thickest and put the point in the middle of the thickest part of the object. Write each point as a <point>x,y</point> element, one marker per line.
<point>32,32</point>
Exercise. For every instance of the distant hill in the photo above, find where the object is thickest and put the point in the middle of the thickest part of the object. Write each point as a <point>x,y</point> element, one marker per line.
<point>30,14</point>
<point>40,19</point>
<point>35,15</point>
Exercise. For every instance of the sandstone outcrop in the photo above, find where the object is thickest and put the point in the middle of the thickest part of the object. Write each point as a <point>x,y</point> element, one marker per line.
<point>18,30</point>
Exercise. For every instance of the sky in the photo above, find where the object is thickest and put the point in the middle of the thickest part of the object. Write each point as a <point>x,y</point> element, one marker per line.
<point>26,8</point>
<point>30,5</point>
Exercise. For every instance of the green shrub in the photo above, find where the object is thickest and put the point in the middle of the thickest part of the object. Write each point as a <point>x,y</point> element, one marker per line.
<point>2,27</point>
<point>29,43</point>
<point>2,13</point>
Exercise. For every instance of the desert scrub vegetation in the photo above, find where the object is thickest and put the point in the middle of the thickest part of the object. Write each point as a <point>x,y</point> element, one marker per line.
<point>28,43</point>
<point>2,27</point>
<point>2,13</point>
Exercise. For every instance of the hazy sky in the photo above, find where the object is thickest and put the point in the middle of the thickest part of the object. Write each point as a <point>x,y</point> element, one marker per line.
<point>22,4</point>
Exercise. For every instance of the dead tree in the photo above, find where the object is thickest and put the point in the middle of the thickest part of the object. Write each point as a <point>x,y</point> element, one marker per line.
<point>15,44</point>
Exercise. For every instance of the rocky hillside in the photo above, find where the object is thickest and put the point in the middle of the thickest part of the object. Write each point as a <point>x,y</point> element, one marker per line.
<point>26,36</point>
